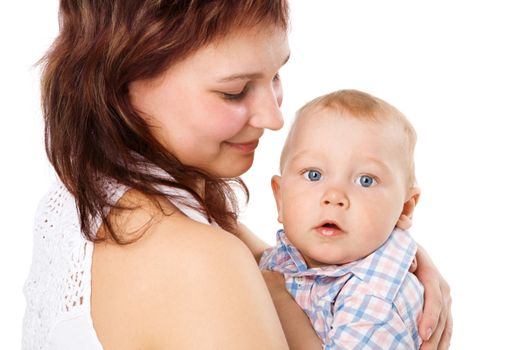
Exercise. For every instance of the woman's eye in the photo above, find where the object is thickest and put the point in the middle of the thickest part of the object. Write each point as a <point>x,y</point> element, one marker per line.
<point>276,77</point>
<point>237,96</point>
<point>365,181</point>
<point>312,175</point>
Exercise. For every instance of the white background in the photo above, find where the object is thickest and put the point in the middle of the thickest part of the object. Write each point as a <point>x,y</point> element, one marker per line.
<point>455,68</point>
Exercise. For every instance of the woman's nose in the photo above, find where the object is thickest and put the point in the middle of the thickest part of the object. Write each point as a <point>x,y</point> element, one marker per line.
<point>266,112</point>
<point>335,197</point>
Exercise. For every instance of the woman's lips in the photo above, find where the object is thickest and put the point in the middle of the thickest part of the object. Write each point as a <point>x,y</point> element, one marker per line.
<point>245,147</point>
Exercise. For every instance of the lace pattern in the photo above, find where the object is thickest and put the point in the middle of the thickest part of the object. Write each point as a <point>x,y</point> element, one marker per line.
<point>59,282</point>
<point>58,288</point>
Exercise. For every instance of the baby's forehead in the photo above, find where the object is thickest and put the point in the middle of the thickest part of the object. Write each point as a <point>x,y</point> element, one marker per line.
<point>308,131</point>
<point>321,118</point>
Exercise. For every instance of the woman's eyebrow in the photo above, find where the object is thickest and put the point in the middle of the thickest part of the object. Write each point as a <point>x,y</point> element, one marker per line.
<point>242,76</point>
<point>247,76</point>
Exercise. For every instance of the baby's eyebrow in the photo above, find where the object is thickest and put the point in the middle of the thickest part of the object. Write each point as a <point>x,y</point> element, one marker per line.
<point>299,155</point>
<point>304,155</point>
<point>379,163</point>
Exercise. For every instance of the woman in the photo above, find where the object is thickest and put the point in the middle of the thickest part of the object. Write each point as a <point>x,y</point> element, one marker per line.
<point>152,109</point>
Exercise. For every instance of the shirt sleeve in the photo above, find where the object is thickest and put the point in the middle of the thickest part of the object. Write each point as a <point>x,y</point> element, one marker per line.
<point>367,322</point>
<point>267,261</point>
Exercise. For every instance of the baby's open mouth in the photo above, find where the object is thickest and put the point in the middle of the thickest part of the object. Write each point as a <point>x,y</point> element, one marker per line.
<point>329,229</point>
<point>331,225</point>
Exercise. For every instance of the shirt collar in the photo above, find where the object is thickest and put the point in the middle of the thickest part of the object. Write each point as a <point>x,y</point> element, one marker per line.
<point>388,265</point>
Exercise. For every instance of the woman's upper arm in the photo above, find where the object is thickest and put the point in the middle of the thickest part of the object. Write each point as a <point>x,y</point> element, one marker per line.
<point>202,289</point>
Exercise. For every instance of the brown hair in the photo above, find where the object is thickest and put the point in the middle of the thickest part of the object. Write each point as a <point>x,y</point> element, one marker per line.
<point>92,132</point>
<point>361,105</point>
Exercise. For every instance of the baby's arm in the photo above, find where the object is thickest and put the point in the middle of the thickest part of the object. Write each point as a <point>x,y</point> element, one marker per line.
<point>256,245</point>
<point>296,324</point>
<point>367,319</point>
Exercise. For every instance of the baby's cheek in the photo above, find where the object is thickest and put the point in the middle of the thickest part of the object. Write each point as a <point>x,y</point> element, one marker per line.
<point>371,221</point>
<point>290,217</point>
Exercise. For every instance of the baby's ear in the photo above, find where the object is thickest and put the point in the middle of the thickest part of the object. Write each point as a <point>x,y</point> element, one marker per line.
<point>276,188</point>
<point>405,219</point>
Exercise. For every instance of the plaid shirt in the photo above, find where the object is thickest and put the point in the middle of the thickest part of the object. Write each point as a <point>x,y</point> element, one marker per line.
<point>371,303</point>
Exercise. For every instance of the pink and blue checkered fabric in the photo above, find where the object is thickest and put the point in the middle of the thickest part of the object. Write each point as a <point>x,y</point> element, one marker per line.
<point>371,303</point>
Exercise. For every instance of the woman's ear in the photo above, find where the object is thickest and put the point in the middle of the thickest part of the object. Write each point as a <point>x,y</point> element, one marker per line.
<point>405,219</point>
<point>276,188</point>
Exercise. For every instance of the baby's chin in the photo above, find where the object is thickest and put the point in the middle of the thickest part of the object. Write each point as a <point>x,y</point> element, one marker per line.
<point>321,260</point>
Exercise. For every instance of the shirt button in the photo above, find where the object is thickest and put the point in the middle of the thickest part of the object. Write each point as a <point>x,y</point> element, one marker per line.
<point>299,280</point>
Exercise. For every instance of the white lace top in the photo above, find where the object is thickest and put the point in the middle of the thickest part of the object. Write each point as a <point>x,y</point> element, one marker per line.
<point>58,289</point>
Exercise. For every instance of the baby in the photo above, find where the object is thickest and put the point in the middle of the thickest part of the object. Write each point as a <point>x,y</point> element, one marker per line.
<point>346,189</point>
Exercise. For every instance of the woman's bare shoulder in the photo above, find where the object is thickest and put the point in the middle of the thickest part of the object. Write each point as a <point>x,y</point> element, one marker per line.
<point>179,278</point>
<point>156,227</point>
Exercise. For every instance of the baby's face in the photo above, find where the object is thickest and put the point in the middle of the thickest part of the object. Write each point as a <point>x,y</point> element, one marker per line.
<point>343,186</point>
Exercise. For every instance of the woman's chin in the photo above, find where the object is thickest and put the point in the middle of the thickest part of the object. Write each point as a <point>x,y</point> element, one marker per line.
<point>234,168</point>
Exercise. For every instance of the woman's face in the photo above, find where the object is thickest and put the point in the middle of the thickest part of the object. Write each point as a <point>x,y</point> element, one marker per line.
<point>210,109</point>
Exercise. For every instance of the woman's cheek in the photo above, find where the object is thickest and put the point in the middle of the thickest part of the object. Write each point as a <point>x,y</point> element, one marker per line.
<point>230,121</point>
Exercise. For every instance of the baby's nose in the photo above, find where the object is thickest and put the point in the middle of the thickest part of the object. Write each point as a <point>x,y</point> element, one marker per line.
<point>336,198</point>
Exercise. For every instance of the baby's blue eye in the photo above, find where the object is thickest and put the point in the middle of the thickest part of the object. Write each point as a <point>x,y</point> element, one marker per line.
<point>365,180</point>
<point>312,175</point>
